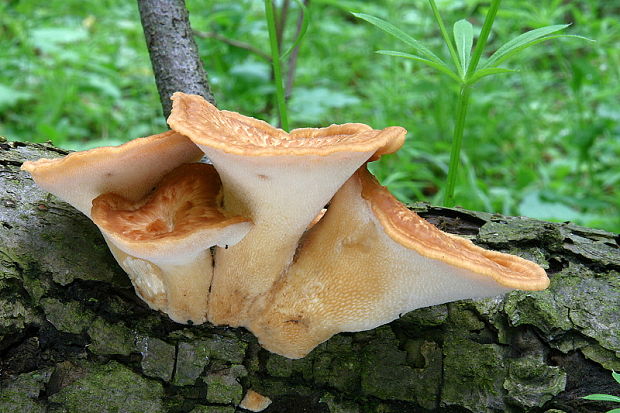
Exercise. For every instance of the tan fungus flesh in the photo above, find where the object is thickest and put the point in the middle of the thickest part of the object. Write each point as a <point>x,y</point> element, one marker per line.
<point>254,402</point>
<point>408,229</point>
<point>368,276</point>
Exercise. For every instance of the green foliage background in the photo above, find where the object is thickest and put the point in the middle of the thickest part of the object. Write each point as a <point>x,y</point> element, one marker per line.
<point>543,142</point>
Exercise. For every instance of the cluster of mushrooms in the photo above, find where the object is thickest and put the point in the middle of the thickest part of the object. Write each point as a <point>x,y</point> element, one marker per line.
<point>249,241</point>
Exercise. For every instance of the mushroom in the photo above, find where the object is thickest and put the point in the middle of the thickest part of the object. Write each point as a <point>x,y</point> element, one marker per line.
<point>130,170</point>
<point>280,180</point>
<point>163,241</point>
<point>370,260</point>
<point>254,402</point>
<point>122,177</point>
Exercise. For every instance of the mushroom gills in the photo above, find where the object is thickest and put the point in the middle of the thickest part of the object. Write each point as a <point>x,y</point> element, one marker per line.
<point>366,278</point>
<point>280,180</point>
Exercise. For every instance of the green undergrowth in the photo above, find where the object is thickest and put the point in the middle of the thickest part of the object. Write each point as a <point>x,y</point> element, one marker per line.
<point>542,142</point>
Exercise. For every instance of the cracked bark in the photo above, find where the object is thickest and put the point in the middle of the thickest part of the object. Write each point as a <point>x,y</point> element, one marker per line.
<point>70,325</point>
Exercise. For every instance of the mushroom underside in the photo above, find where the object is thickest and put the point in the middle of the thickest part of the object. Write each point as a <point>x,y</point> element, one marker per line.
<point>367,277</point>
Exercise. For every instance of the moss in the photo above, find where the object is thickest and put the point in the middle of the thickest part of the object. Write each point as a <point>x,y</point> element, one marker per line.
<point>213,409</point>
<point>531,383</point>
<point>15,316</point>
<point>107,338</point>
<point>22,393</point>
<point>111,387</point>
<point>69,317</point>
<point>226,348</point>
<point>278,366</point>
<point>595,318</point>
<point>511,230</point>
<point>277,388</point>
<point>606,358</point>
<point>336,406</point>
<point>192,358</point>
<point>463,317</point>
<point>426,317</point>
<point>157,357</point>
<point>223,388</point>
<point>595,245</point>
<point>473,375</point>
<point>540,309</point>
<point>426,359</point>
<point>384,370</point>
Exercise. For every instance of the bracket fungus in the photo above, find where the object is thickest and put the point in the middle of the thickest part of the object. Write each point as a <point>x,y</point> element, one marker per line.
<point>290,271</point>
<point>280,180</point>
<point>163,241</point>
<point>162,238</point>
<point>369,260</point>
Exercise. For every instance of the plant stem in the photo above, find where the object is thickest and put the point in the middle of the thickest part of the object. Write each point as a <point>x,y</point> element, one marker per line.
<point>457,139</point>
<point>275,60</point>
<point>446,38</point>
<point>464,94</point>
<point>484,35</point>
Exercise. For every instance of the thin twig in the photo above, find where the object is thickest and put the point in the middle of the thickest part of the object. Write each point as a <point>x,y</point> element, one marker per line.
<point>234,43</point>
<point>292,60</point>
<point>281,19</point>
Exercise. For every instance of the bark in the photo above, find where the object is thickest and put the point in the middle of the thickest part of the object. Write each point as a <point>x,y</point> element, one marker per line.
<point>173,51</point>
<point>74,337</point>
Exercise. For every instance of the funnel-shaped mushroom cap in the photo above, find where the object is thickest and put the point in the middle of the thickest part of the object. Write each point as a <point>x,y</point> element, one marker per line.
<point>162,241</point>
<point>130,170</point>
<point>280,180</point>
<point>369,260</point>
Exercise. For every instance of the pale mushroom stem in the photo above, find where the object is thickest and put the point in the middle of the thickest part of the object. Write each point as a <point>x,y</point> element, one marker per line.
<point>164,240</point>
<point>187,287</point>
<point>365,278</point>
<point>282,195</point>
<point>179,289</point>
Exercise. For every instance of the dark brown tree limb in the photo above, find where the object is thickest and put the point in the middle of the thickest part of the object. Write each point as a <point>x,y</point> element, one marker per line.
<point>174,54</point>
<point>75,338</point>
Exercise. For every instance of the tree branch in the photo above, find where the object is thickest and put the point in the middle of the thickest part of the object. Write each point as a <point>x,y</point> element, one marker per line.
<point>173,51</point>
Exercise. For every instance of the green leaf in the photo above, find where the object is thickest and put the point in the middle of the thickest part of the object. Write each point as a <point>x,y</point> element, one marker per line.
<point>521,42</point>
<point>438,66</point>
<point>464,38</point>
<point>305,16</point>
<point>602,398</point>
<point>544,39</point>
<point>613,411</point>
<point>479,74</point>
<point>616,376</point>
<point>399,34</point>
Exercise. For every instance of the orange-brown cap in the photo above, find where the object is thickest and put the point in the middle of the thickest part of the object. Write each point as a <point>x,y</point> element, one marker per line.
<point>413,232</point>
<point>234,133</point>
<point>163,241</point>
<point>178,218</point>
